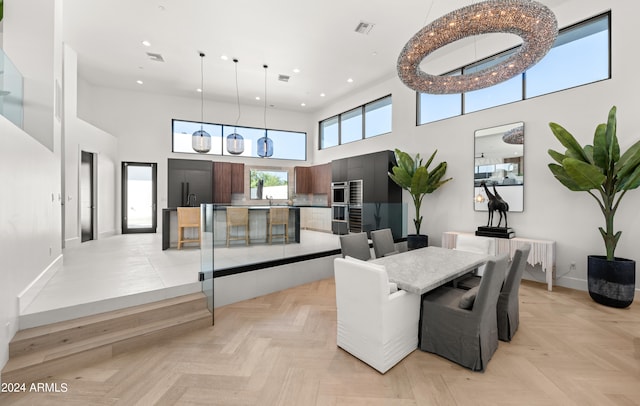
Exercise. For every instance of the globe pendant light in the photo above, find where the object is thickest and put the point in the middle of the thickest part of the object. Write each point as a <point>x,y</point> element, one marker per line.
<point>201,140</point>
<point>265,144</point>
<point>235,142</point>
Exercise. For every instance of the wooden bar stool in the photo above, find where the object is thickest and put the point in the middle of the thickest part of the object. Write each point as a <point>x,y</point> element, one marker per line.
<point>279,216</point>
<point>188,217</point>
<point>238,217</point>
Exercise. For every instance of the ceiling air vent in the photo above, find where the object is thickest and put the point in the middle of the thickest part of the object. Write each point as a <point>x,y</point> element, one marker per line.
<point>155,57</point>
<point>283,78</point>
<point>364,27</point>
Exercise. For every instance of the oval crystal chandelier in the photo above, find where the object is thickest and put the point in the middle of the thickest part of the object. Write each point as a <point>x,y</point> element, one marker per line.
<point>235,141</point>
<point>534,22</point>
<point>265,144</point>
<point>201,140</point>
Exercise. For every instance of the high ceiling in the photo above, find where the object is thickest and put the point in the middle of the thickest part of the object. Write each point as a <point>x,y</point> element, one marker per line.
<point>316,37</point>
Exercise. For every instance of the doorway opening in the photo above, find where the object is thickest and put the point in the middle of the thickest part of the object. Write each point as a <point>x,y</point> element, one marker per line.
<point>87,196</point>
<point>139,197</point>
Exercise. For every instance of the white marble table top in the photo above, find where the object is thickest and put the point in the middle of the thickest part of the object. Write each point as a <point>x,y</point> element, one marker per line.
<point>419,271</point>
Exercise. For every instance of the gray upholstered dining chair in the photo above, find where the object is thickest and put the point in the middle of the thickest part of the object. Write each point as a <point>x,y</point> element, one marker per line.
<point>383,244</point>
<point>509,299</point>
<point>462,325</point>
<point>480,245</point>
<point>355,245</point>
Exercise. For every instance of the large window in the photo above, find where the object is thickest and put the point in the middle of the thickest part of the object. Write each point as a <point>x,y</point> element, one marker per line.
<point>434,107</point>
<point>351,126</point>
<point>368,120</point>
<point>329,132</point>
<point>580,55</point>
<point>286,144</point>
<point>502,93</point>
<point>377,117</point>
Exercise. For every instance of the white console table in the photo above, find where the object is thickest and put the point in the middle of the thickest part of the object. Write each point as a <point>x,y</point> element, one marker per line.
<point>542,252</point>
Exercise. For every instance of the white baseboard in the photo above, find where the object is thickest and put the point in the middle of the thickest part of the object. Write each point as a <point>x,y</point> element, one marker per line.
<point>107,234</point>
<point>72,242</point>
<point>31,291</point>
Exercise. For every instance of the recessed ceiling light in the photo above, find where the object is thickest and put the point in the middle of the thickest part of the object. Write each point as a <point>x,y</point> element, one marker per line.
<point>322,95</point>
<point>257,97</point>
<point>303,104</point>
<point>199,90</point>
<point>296,70</point>
<point>350,80</point>
<point>146,43</point>
<point>224,57</point>
<point>139,82</point>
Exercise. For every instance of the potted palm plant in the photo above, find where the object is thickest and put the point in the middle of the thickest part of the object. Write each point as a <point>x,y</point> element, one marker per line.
<point>412,176</point>
<point>606,175</point>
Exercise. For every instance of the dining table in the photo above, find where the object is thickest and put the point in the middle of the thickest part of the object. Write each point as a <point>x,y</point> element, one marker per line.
<point>424,269</point>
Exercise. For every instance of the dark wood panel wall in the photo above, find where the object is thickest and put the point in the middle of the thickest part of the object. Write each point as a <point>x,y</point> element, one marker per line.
<point>204,181</point>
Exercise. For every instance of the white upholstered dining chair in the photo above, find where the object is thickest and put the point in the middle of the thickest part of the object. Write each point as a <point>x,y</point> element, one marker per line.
<point>376,323</point>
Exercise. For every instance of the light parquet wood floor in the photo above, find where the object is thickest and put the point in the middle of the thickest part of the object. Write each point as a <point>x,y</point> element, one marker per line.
<point>280,349</point>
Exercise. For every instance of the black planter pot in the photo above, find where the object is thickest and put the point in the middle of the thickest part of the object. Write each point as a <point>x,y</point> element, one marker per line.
<point>415,241</point>
<point>611,283</point>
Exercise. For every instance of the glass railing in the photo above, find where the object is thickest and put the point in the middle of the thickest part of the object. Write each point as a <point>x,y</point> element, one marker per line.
<point>11,91</point>
<point>221,258</point>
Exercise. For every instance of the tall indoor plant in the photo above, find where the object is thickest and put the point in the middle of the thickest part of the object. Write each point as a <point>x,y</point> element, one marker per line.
<point>412,176</point>
<point>606,175</point>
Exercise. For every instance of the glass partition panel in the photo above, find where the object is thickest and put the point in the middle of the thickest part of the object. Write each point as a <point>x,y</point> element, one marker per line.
<point>207,254</point>
<point>11,91</point>
<point>267,246</point>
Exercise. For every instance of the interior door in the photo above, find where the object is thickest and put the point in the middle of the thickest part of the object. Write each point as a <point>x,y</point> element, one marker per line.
<point>139,197</point>
<point>87,206</point>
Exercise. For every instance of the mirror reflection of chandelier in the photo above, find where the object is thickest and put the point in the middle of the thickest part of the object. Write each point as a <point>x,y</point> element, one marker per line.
<point>514,136</point>
<point>534,22</point>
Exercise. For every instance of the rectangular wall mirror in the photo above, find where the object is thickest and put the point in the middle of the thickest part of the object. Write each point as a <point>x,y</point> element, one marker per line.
<point>499,165</point>
<point>266,184</point>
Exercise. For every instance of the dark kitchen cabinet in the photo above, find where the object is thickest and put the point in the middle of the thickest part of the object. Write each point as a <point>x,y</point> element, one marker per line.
<point>339,170</point>
<point>321,179</point>
<point>228,178</point>
<point>303,180</point>
<point>381,197</point>
<point>313,179</point>
<point>189,182</point>
<point>222,182</point>
<point>237,178</point>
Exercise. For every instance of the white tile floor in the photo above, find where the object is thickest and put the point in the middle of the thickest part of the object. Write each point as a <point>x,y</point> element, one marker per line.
<point>132,269</point>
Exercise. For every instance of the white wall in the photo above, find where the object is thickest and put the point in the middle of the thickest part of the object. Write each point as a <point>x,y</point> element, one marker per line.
<point>551,211</point>
<point>82,136</point>
<point>142,124</point>
<point>29,220</point>
<point>30,211</point>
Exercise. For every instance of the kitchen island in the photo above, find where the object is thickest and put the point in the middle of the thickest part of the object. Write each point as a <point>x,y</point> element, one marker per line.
<point>258,223</point>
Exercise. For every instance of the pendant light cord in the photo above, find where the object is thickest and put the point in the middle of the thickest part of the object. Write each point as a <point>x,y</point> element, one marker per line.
<point>265,99</point>
<point>237,95</point>
<point>201,90</point>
